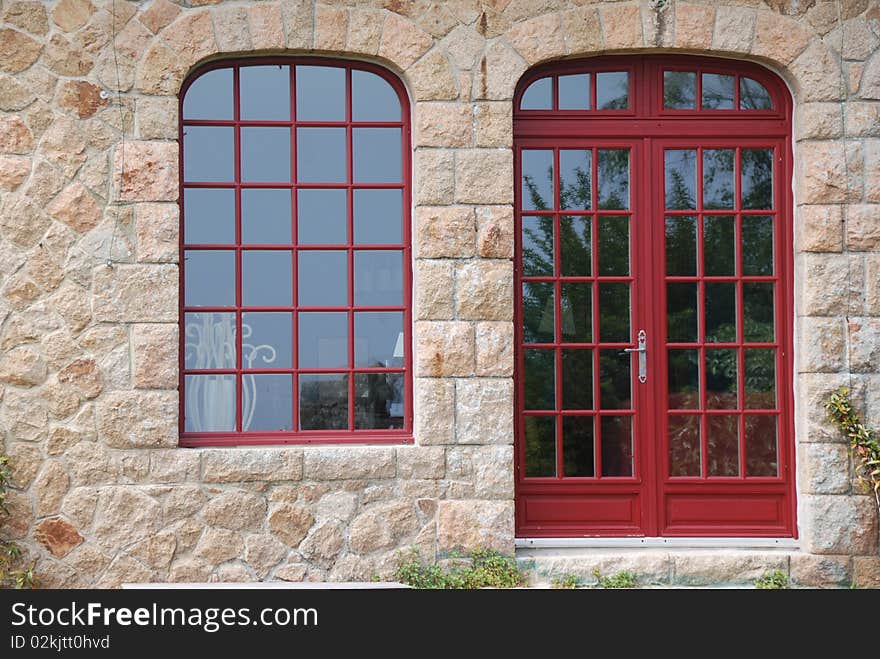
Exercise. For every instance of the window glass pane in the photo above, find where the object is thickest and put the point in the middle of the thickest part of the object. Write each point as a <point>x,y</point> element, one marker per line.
<point>537,179</point>
<point>323,401</point>
<point>208,153</point>
<point>378,155</point>
<point>266,340</point>
<point>681,245</point>
<point>719,245</point>
<point>760,378</point>
<point>320,93</point>
<point>721,312</point>
<point>323,278</point>
<point>681,312</point>
<point>757,178</point>
<point>265,217</point>
<point>679,90</point>
<point>757,249</point>
<point>753,95</point>
<point>574,92</point>
<point>210,96</point>
<point>614,312</point>
<point>717,91</point>
<point>373,98</point>
<point>616,445</point>
<point>684,379</point>
<point>210,278</point>
<point>267,402</point>
<point>540,436</point>
<point>613,179</point>
<point>614,245</point>
<point>577,313</point>
<point>612,90</point>
<point>722,434</point>
<point>539,382</point>
<point>379,400</point>
<point>721,372</point>
<point>265,92</point>
<point>320,155</point>
<point>378,217</point>
<point>538,96</point>
<point>577,379</point>
<point>577,446</point>
<point>323,339</point>
<point>574,179</point>
<point>265,154</point>
<point>614,380</point>
<point>210,403</point>
<point>538,313</point>
<point>378,339</point>
<point>209,341</point>
<point>378,277</point>
<point>758,312</point>
<point>718,178</point>
<point>575,246</point>
<point>321,217</point>
<point>208,216</point>
<point>537,246</point>
<point>681,179</point>
<point>266,278</point>
<point>684,446</point>
<point>761,446</point>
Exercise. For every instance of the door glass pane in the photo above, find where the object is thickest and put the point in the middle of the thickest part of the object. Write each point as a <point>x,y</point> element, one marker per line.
<point>757,249</point>
<point>209,340</point>
<point>758,312</point>
<point>538,313</point>
<point>679,90</point>
<point>614,312</point>
<point>538,95</point>
<point>612,90</point>
<point>718,178</point>
<point>537,246</point>
<point>577,313</point>
<point>757,178</point>
<point>614,245</point>
<point>265,154</point>
<point>320,93</point>
<point>760,378</point>
<point>210,278</point>
<point>210,96</point>
<point>379,400</point>
<point>681,179</point>
<point>540,379</point>
<point>266,340</point>
<point>761,446</point>
<point>613,170</point>
<point>378,155</point>
<point>323,339</point>
<point>575,179</point>
<point>378,277</point>
<point>722,436</point>
<point>323,401</point>
<point>574,92</point>
<point>321,217</point>
<point>540,436</point>
<point>681,312</point>
<point>721,380</point>
<point>208,216</point>
<point>208,153</point>
<point>681,245</point>
<point>378,217</point>
<point>265,217</point>
<point>378,339</point>
<point>614,380</point>
<point>575,246</point>
<point>577,379</point>
<point>684,445</point>
<point>323,278</point>
<point>266,278</point>
<point>267,402</point>
<point>265,92</point>
<point>719,245</point>
<point>684,379</point>
<point>753,95</point>
<point>210,403</point>
<point>717,91</point>
<point>720,312</point>
<point>577,446</point>
<point>537,179</point>
<point>320,155</point>
<point>373,98</point>
<point>616,445</point>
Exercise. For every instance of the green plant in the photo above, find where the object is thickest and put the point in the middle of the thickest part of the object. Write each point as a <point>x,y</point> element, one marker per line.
<point>864,445</point>
<point>11,575</point>
<point>773,580</point>
<point>568,581</point>
<point>621,579</point>
<point>487,568</point>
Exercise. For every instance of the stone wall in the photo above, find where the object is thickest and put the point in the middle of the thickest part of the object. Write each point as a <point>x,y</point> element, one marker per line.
<point>89,278</point>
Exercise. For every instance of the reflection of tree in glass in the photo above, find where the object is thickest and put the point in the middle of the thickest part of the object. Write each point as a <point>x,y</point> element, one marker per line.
<point>718,178</point>
<point>576,193</point>
<point>753,95</point>
<point>684,446</point>
<point>613,179</point>
<point>757,178</point>
<point>324,404</point>
<point>679,90</point>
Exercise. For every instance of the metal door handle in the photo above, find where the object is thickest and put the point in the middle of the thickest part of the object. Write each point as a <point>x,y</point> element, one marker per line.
<point>642,349</point>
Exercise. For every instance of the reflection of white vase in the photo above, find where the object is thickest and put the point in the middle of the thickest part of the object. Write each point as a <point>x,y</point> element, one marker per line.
<point>216,405</point>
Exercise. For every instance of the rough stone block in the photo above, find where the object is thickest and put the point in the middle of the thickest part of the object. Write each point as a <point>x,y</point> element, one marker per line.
<point>252,464</point>
<point>444,348</point>
<point>349,463</point>
<point>484,411</point>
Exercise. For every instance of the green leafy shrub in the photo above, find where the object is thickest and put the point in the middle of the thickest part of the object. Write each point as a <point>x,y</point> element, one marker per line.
<point>568,581</point>
<point>621,579</point>
<point>12,574</point>
<point>487,568</point>
<point>864,445</point>
<point>773,580</point>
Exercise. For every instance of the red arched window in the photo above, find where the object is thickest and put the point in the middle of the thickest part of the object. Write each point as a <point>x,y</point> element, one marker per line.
<point>654,316</point>
<point>295,254</point>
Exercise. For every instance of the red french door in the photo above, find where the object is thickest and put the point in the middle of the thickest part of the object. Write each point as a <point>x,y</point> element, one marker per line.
<point>654,300</point>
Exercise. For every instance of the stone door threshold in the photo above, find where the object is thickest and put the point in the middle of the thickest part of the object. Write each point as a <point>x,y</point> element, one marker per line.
<point>705,543</point>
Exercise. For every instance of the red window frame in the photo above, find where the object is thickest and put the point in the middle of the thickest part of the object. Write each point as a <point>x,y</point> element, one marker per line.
<point>336,436</point>
<point>651,502</point>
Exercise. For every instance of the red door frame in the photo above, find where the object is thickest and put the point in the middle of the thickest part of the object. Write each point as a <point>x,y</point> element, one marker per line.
<point>717,502</point>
